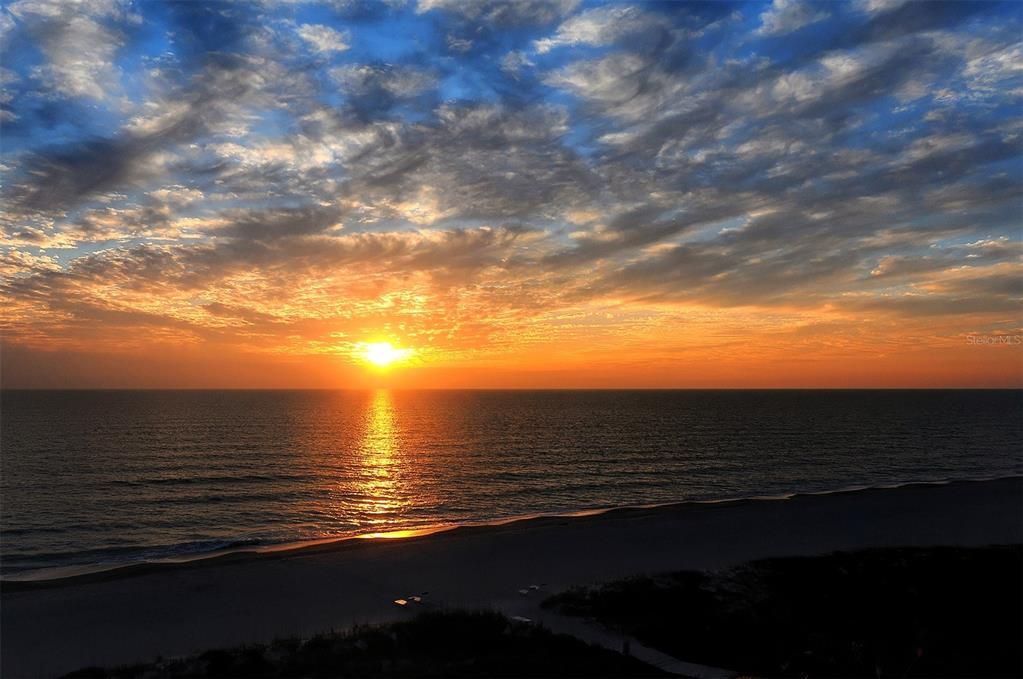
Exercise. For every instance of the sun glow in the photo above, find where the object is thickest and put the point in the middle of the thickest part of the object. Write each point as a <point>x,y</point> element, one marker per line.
<point>383,354</point>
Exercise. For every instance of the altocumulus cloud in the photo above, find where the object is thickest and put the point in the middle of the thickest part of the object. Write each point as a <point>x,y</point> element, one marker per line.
<point>274,174</point>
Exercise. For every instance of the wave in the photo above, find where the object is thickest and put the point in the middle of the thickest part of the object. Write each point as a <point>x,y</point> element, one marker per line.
<point>199,480</point>
<point>198,550</point>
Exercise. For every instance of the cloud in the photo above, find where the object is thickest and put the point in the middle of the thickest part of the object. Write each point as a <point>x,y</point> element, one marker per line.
<point>230,290</point>
<point>623,84</point>
<point>879,6</point>
<point>457,44</point>
<point>57,178</point>
<point>498,13</point>
<point>515,61</point>
<point>600,26</point>
<point>785,16</point>
<point>324,39</point>
<point>517,168</point>
<point>79,41</point>
<point>6,26</point>
<point>397,81</point>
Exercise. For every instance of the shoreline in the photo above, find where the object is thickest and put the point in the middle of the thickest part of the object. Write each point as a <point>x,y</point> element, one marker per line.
<point>134,615</point>
<point>59,575</point>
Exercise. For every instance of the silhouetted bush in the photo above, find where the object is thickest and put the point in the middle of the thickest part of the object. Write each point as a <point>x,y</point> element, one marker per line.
<point>434,644</point>
<point>923,612</point>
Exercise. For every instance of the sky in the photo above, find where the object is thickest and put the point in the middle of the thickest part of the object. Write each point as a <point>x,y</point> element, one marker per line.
<point>545,193</point>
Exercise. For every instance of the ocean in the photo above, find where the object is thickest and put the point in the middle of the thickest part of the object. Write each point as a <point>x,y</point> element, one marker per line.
<point>92,479</point>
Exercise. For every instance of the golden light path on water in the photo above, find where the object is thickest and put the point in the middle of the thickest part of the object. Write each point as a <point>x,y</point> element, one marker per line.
<point>378,493</point>
<point>383,486</point>
<point>378,486</point>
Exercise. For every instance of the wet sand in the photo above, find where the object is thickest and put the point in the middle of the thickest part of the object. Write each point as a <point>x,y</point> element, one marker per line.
<point>136,614</point>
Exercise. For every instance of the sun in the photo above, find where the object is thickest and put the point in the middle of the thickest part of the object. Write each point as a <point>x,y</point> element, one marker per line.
<point>382,354</point>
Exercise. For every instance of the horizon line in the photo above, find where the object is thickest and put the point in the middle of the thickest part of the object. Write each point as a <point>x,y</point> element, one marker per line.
<point>442,389</point>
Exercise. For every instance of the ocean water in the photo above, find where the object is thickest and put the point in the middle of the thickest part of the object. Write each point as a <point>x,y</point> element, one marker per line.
<point>95,478</point>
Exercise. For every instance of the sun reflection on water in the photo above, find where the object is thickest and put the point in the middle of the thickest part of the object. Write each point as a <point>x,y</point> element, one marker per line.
<point>380,497</point>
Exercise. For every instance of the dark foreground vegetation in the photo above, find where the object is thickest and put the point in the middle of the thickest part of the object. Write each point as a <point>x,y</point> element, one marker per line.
<point>434,644</point>
<point>913,612</point>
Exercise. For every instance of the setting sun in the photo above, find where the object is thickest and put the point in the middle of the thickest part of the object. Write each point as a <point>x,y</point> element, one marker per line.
<point>383,354</point>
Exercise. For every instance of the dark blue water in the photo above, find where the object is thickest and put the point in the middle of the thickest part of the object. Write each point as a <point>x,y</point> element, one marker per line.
<point>106,477</point>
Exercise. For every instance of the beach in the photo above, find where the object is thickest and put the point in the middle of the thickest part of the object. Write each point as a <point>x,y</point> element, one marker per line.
<point>137,613</point>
